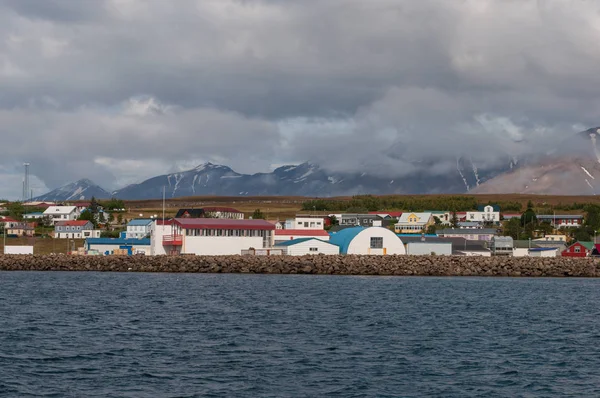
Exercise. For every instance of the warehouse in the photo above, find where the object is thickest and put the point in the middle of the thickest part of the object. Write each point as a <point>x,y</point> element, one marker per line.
<point>303,246</point>
<point>371,240</point>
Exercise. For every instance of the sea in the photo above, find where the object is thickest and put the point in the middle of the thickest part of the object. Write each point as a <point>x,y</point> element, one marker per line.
<point>85,334</point>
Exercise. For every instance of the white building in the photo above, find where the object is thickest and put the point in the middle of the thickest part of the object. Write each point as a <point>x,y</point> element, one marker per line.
<point>212,236</point>
<point>62,213</point>
<point>282,235</point>
<point>488,214</point>
<point>543,252</point>
<point>139,228</point>
<point>107,246</point>
<point>78,229</point>
<point>304,246</point>
<point>371,240</point>
<point>306,222</point>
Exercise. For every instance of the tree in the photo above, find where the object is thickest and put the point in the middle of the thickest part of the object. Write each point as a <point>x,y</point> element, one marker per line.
<point>431,230</point>
<point>512,228</point>
<point>87,215</point>
<point>333,220</point>
<point>258,215</point>
<point>94,205</point>
<point>528,217</point>
<point>437,220</point>
<point>16,210</point>
<point>592,217</point>
<point>120,219</point>
<point>454,220</point>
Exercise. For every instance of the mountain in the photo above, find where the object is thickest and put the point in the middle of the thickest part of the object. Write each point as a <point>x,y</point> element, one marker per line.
<point>572,168</point>
<point>80,190</point>
<point>306,179</point>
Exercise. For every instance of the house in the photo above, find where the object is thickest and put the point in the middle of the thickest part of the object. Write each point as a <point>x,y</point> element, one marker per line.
<point>7,222</point>
<point>212,236</point>
<point>485,234</point>
<point>211,212</point>
<point>108,246</point>
<point>62,213</point>
<point>304,246</point>
<point>21,229</point>
<point>445,217</point>
<point>33,216</point>
<point>363,220</point>
<point>307,222</point>
<point>470,224</point>
<point>429,248</point>
<point>372,240</point>
<point>561,221</point>
<point>579,249</point>
<point>387,215</point>
<point>413,223</point>
<point>139,228</point>
<point>78,229</point>
<point>485,214</point>
<point>282,235</point>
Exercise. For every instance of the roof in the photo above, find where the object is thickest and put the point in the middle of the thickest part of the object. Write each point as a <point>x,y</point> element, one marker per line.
<point>76,223</point>
<point>467,231</point>
<point>587,245</point>
<point>299,240</point>
<point>60,210</point>
<point>393,214</point>
<point>117,241</point>
<point>494,207</point>
<point>196,213</point>
<point>220,209</point>
<point>458,243</point>
<point>422,217</point>
<point>541,249</point>
<point>223,223</point>
<point>301,232</point>
<point>139,222</point>
<point>344,237</point>
<point>35,213</point>
<point>8,219</point>
<point>552,216</point>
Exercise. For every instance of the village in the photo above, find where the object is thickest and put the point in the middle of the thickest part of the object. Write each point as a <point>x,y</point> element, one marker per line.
<point>88,228</point>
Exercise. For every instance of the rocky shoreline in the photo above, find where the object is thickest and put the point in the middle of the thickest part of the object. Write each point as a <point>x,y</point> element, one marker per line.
<point>320,264</point>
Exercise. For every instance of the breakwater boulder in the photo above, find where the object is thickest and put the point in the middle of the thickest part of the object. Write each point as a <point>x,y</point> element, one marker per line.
<point>319,264</point>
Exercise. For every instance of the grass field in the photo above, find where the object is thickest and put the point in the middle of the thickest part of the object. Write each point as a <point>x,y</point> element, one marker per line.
<point>282,207</point>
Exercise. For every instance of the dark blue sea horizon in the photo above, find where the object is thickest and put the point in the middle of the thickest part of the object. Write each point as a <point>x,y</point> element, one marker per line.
<point>85,334</point>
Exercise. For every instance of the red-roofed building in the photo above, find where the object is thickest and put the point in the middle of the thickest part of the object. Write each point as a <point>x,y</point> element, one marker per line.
<point>282,235</point>
<point>391,214</point>
<point>212,236</point>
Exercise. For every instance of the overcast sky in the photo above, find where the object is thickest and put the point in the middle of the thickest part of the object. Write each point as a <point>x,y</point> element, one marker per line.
<point>121,90</point>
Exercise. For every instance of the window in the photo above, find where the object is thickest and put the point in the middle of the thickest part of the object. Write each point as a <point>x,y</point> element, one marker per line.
<point>313,249</point>
<point>377,242</point>
<point>306,225</point>
<point>577,249</point>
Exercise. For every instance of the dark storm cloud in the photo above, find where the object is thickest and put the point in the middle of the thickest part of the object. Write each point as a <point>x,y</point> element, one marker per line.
<point>131,87</point>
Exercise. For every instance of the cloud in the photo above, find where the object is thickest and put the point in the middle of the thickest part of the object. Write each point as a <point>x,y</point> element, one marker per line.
<point>117,90</point>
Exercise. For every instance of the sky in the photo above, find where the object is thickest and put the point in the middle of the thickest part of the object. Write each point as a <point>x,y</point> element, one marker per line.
<point>121,90</point>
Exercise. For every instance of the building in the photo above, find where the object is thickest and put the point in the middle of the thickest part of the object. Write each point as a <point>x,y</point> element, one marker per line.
<point>460,246</point>
<point>470,225</point>
<point>445,217</point>
<point>485,234</point>
<point>62,213</point>
<point>21,229</point>
<point>363,220</point>
<point>372,240</point>
<point>306,222</point>
<point>212,236</point>
<point>485,214</point>
<point>305,246</point>
<point>211,212</point>
<point>78,229</point>
<point>502,246</point>
<point>139,228</point>
<point>282,235</point>
<point>387,215</point>
<point>561,220</point>
<point>107,246</point>
<point>7,222</point>
<point>543,252</point>
<point>413,223</point>
<point>579,249</point>
<point>429,248</point>
<point>33,216</point>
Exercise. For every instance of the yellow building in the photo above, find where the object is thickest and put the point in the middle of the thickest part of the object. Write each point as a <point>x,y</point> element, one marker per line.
<point>413,223</point>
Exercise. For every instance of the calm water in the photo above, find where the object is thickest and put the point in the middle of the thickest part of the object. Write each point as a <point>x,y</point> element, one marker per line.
<point>157,335</point>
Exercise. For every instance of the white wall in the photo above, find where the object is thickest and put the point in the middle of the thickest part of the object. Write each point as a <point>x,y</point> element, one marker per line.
<point>111,247</point>
<point>476,253</point>
<point>282,236</point>
<point>361,244</point>
<point>520,252</point>
<point>219,245</point>
<point>158,231</point>
<point>79,235</point>
<point>311,223</point>
<point>544,253</point>
<point>302,248</point>
<point>426,248</point>
<point>482,216</point>
<point>18,250</point>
